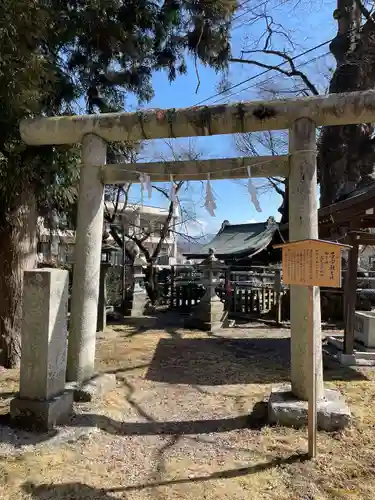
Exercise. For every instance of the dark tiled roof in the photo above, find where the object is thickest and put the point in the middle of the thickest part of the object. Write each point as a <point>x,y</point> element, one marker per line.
<point>238,240</point>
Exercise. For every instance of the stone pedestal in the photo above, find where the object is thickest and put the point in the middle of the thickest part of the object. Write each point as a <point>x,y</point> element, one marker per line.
<point>102,302</point>
<point>209,315</point>
<point>364,328</point>
<point>139,303</point>
<point>139,299</point>
<point>361,356</point>
<point>43,400</point>
<point>286,409</point>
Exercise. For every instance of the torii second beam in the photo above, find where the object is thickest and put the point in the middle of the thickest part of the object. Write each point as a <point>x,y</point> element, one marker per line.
<point>195,170</point>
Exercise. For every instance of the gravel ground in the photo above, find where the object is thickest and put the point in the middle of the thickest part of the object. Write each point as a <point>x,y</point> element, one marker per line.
<point>187,421</point>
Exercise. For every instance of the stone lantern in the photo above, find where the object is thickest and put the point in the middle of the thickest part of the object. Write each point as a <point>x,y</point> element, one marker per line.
<point>139,296</point>
<point>209,314</point>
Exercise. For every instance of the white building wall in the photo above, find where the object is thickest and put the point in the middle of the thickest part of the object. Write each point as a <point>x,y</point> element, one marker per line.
<point>135,218</point>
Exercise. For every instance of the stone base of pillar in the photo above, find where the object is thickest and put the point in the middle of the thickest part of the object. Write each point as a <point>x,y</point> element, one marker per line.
<point>41,416</point>
<point>96,387</point>
<point>207,316</point>
<point>285,409</point>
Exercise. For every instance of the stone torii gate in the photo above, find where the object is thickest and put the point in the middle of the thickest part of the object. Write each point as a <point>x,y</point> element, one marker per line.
<point>300,116</point>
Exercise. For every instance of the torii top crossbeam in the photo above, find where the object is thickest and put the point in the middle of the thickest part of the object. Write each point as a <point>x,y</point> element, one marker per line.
<point>332,109</point>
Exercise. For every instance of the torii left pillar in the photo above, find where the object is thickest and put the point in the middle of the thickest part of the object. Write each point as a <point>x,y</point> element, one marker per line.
<point>86,275</point>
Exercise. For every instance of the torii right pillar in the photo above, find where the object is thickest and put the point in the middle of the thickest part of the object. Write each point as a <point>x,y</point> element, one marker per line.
<point>303,225</point>
<point>288,404</point>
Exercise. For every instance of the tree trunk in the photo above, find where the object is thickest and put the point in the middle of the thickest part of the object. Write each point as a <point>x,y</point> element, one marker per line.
<point>151,283</point>
<point>346,153</point>
<point>284,207</point>
<point>17,252</point>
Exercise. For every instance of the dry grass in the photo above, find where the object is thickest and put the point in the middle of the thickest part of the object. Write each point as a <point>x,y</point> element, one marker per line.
<point>176,428</point>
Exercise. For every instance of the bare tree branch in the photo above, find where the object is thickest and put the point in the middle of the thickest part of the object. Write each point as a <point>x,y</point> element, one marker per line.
<point>364,11</point>
<point>165,228</point>
<point>140,244</point>
<point>270,31</point>
<point>275,185</point>
<point>269,142</point>
<point>293,72</point>
<point>161,190</point>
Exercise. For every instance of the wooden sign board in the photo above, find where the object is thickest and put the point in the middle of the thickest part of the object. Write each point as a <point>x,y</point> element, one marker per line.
<point>312,263</point>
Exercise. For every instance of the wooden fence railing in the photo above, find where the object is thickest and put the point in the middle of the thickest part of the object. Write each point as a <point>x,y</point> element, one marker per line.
<point>249,301</point>
<point>246,294</point>
<point>185,295</point>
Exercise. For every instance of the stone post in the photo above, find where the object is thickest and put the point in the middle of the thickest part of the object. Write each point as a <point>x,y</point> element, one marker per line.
<point>85,291</point>
<point>303,224</point>
<point>209,314</point>
<point>43,401</point>
<point>102,303</point>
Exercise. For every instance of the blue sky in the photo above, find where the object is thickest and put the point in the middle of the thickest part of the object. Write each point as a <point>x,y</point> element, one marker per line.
<point>308,24</point>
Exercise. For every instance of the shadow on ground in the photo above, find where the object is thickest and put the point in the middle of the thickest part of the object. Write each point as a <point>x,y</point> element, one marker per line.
<point>224,474</point>
<point>221,361</point>
<point>197,362</point>
<point>80,491</point>
<point>11,434</point>
<point>71,491</point>
<point>255,420</point>
<point>159,321</point>
<point>18,438</point>
<point>162,319</point>
<point>8,395</point>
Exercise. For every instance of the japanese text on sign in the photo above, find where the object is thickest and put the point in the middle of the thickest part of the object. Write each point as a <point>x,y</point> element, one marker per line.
<point>312,263</point>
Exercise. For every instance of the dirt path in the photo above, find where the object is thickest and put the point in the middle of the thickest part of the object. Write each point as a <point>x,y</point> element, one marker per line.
<point>186,421</point>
